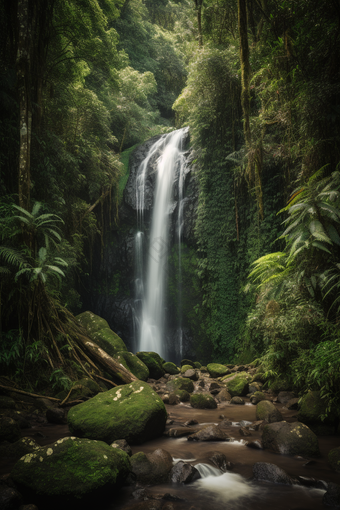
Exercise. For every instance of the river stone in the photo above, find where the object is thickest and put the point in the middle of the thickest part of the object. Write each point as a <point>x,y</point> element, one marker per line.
<point>56,415</point>
<point>134,364</point>
<point>122,444</point>
<point>255,386</point>
<point>312,406</point>
<point>183,395</point>
<point>223,395</point>
<point>284,396</point>
<point>132,411</point>
<point>210,433</point>
<point>9,429</point>
<point>257,397</point>
<point>265,410</point>
<point>154,363</point>
<point>191,374</point>
<point>69,472</point>
<point>239,386</point>
<point>202,401</point>
<point>290,439</point>
<point>331,498</point>
<point>181,383</point>
<point>10,499</point>
<point>271,473</point>
<point>184,368</point>
<point>197,364</point>
<point>216,370</point>
<point>334,458</point>
<point>187,362</point>
<point>170,368</point>
<point>182,472</point>
<point>151,468</point>
<point>100,333</point>
<point>237,401</point>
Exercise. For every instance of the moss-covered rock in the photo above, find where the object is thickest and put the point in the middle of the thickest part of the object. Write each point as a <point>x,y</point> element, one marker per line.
<point>290,439</point>
<point>216,370</point>
<point>90,384</point>
<point>279,384</point>
<point>16,450</point>
<point>187,362</point>
<point>134,364</point>
<point>170,368</point>
<point>265,410</point>
<point>197,364</point>
<point>202,401</point>
<point>334,459</point>
<point>133,412</point>
<point>257,397</point>
<point>183,395</point>
<point>100,332</point>
<point>154,363</point>
<point>239,386</point>
<point>184,368</point>
<point>181,383</point>
<point>70,471</point>
<point>312,407</point>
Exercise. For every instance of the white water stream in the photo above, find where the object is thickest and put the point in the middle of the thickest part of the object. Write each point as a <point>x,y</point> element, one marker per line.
<point>150,291</point>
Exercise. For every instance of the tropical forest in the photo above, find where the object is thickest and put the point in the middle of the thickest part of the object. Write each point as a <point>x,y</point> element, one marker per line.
<point>169,254</point>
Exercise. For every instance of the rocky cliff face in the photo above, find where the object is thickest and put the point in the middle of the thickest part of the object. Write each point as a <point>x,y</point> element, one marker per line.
<point>112,285</point>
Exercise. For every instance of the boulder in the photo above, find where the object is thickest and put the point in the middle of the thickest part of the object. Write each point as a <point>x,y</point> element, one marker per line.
<point>202,401</point>
<point>290,439</point>
<point>239,386</point>
<point>122,444</point>
<point>184,368</point>
<point>255,386</point>
<point>265,410</point>
<point>182,472</point>
<point>197,364</point>
<point>331,498</point>
<point>134,364</point>
<point>100,333</point>
<point>334,459</point>
<point>180,431</point>
<point>183,395</point>
<point>237,401</point>
<point>56,415</point>
<point>181,383</point>
<point>10,499</point>
<point>210,433</point>
<point>151,468</point>
<point>271,473</point>
<point>133,412</point>
<point>9,429</point>
<point>216,370</point>
<point>284,396</point>
<point>221,462</point>
<point>312,407</point>
<point>154,363</point>
<point>191,374</point>
<point>257,397</point>
<point>16,450</point>
<point>223,395</point>
<point>170,368</point>
<point>69,472</point>
<point>187,362</point>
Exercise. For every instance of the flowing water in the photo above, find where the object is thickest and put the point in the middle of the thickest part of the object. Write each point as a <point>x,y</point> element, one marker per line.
<point>150,320</point>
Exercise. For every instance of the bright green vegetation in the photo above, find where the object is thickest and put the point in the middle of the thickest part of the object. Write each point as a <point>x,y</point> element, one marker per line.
<point>258,83</point>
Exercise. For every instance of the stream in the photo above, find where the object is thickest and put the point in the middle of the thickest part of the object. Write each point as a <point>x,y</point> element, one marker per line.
<point>232,490</point>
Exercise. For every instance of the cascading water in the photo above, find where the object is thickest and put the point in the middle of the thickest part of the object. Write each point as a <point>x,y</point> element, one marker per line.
<point>150,290</point>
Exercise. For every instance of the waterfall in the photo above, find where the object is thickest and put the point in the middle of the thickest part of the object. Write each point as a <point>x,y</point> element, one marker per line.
<point>150,284</point>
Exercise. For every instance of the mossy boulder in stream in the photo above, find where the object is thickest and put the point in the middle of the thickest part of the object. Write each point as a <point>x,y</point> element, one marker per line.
<point>181,383</point>
<point>70,472</point>
<point>290,439</point>
<point>217,370</point>
<point>239,386</point>
<point>100,333</point>
<point>133,412</point>
<point>170,368</point>
<point>134,364</point>
<point>312,407</point>
<point>202,401</point>
<point>154,363</point>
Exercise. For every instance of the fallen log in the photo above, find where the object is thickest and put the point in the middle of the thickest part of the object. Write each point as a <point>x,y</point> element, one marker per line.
<point>8,388</point>
<point>109,364</point>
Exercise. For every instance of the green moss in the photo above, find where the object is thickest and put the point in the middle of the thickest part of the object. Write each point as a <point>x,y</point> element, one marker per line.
<point>154,363</point>
<point>134,364</point>
<point>170,368</point>
<point>239,386</point>
<point>202,401</point>
<point>133,412</point>
<point>183,395</point>
<point>184,368</point>
<point>181,383</point>
<point>100,333</point>
<point>217,370</point>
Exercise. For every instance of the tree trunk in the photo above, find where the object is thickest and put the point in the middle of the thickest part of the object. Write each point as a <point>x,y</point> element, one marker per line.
<point>110,365</point>
<point>245,68</point>
<point>23,65</point>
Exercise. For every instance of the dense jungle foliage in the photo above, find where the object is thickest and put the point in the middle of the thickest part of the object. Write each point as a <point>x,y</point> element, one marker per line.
<point>258,82</point>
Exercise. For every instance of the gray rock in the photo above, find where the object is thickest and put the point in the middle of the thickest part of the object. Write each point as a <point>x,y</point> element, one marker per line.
<point>271,473</point>
<point>265,410</point>
<point>290,439</point>
<point>210,433</point>
<point>237,400</point>
<point>182,472</point>
<point>152,468</point>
